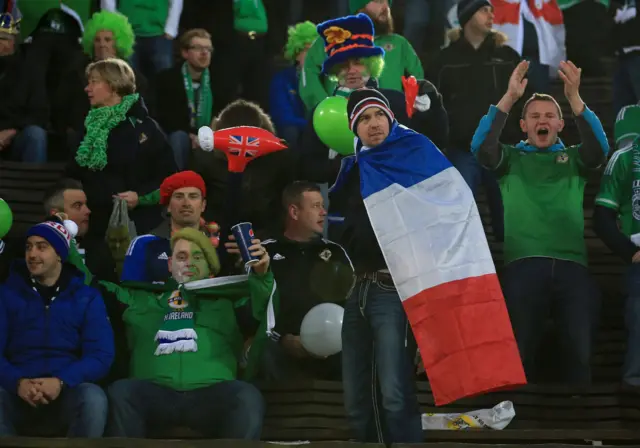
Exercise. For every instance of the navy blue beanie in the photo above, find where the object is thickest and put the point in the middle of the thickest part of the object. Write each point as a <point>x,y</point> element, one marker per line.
<point>467,8</point>
<point>56,234</point>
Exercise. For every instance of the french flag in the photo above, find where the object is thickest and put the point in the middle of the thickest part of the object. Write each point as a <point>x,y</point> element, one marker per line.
<point>429,229</point>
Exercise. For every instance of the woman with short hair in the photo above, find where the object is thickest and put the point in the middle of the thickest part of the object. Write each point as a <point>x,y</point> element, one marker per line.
<point>123,148</point>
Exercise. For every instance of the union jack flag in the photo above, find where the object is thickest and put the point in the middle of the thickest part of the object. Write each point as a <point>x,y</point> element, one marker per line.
<point>243,146</point>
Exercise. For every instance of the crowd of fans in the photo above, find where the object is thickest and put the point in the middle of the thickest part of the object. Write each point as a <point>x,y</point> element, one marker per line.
<point>95,341</point>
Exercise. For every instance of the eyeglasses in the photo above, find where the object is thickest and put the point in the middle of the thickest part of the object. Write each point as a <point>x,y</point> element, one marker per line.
<point>201,48</point>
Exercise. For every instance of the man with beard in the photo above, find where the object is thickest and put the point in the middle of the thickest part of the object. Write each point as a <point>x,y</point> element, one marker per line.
<point>400,59</point>
<point>184,196</point>
<point>23,111</point>
<point>184,93</point>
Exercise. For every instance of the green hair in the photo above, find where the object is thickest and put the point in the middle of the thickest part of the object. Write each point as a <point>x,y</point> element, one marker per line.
<point>115,22</point>
<point>373,64</point>
<point>300,35</point>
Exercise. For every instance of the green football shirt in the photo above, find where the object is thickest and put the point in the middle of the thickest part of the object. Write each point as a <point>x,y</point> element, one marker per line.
<point>542,193</point>
<point>627,127</point>
<point>616,187</point>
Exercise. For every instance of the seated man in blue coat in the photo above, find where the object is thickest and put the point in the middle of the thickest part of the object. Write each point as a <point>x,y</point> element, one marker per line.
<point>286,107</point>
<point>56,341</point>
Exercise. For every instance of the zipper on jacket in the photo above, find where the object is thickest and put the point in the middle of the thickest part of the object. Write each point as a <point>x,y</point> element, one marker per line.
<point>46,335</point>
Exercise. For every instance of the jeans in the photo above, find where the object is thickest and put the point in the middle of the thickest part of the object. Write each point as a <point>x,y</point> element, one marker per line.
<point>631,369</point>
<point>626,82</point>
<point>533,287</point>
<point>377,367</point>
<point>181,144</point>
<point>30,145</point>
<point>152,55</point>
<point>224,410</point>
<point>82,410</point>
<point>474,175</point>
<point>278,365</point>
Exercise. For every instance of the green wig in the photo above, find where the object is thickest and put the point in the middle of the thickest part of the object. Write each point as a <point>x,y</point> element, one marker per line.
<point>115,22</point>
<point>300,35</point>
<point>374,66</point>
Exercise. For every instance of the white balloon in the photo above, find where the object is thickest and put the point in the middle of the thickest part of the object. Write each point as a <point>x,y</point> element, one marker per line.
<point>205,138</point>
<point>321,330</point>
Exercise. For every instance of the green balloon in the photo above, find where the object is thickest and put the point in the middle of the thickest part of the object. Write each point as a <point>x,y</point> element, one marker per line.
<point>332,125</point>
<point>6,218</point>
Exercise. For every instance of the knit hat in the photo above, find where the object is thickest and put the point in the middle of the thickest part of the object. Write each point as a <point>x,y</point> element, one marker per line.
<point>363,99</point>
<point>202,241</point>
<point>180,180</point>
<point>467,8</point>
<point>58,234</point>
<point>347,38</point>
<point>357,5</point>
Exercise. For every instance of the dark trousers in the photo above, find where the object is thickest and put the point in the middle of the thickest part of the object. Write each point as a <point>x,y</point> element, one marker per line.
<point>631,369</point>
<point>377,366</point>
<point>536,288</point>
<point>245,70</point>
<point>225,410</point>
<point>81,411</point>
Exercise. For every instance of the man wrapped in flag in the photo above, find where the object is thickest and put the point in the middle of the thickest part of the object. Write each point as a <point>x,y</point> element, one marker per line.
<point>433,267</point>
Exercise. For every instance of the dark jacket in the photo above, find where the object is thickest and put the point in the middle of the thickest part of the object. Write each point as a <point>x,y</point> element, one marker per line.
<point>172,109</point>
<point>70,339</point>
<point>470,81</point>
<point>139,158</point>
<point>626,34</point>
<point>23,95</point>
<point>309,273</point>
<point>287,109</point>
<point>314,164</point>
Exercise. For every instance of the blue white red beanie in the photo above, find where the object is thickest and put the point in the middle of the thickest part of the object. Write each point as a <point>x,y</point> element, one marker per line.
<point>58,234</point>
<point>363,99</point>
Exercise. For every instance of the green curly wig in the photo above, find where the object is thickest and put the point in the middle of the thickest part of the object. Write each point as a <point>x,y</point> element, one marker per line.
<point>374,65</point>
<point>300,36</point>
<point>115,22</point>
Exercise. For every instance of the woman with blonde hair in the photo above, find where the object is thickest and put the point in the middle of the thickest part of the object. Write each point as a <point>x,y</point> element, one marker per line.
<point>123,148</point>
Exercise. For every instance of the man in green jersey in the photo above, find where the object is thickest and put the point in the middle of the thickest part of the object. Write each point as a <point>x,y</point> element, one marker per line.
<point>619,201</point>
<point>542,184</point>
<point>399,57</point>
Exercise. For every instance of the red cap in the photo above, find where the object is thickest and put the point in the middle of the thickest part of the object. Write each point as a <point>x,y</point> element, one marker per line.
<point>180,180</point>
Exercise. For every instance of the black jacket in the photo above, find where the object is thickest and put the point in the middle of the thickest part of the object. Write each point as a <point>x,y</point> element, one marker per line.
<point>626,34</point>
<point>172,110</point>
<point>309,273</point>
<point>139,158</point>
<point>470,81</point>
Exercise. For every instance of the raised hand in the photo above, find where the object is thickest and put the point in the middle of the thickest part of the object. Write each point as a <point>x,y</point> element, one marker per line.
<point>517,85</point>
<point>570,75</point>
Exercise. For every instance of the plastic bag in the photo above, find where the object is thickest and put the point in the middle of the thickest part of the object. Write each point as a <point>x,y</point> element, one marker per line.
<point>120,233</point>
<point>497,417</point>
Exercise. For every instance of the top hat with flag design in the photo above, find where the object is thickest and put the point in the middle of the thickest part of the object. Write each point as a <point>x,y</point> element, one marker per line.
<point>8,25</point>
<point>347,38</point>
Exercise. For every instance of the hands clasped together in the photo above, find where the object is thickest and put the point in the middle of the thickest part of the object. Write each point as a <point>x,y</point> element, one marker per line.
<point>39,391</point>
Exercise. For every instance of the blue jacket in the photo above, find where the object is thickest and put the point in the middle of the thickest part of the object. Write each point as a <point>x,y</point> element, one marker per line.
<point>147,259</point>
<point>71,339</point>
<point>285,105</point>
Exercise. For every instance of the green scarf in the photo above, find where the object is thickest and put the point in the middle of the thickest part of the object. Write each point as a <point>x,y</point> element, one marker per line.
<point>92,152</point>
<point>177,332</point>
<point>635,189</point>
<point>199,115</point>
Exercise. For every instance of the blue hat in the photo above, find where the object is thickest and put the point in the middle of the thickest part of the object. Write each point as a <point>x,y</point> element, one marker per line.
<point>56,234</point>
<point>347,38</point>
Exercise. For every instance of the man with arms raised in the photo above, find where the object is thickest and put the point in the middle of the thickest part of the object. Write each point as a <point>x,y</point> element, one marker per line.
<point>542,183</point>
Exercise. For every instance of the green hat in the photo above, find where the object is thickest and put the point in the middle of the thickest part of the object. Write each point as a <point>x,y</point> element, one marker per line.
<point>202,241</point>
<point>357,5</point>
<point>300,35</point>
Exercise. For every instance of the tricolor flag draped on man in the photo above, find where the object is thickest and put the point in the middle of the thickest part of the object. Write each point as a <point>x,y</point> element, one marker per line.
<point>427,224</point>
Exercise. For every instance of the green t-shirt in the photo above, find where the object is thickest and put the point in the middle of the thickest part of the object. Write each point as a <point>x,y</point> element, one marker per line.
<point>400,59</point>
<point>615,187</point>
<point>147,17</point>
<point>250,15</point>
<point>542,193</point>
<point>627,127</point>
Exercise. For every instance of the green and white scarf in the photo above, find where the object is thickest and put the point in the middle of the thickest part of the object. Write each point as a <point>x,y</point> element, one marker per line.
<point>200,114</point>
<point>177,332</point>
<point>92,152</point>
<point>635,189</point>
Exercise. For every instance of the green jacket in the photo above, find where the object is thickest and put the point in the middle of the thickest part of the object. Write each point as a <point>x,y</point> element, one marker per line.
<point>400,59</point>
<point>147,17</point>
<point>220,342</point>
